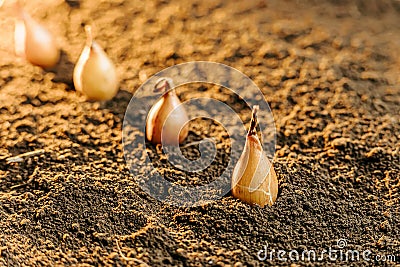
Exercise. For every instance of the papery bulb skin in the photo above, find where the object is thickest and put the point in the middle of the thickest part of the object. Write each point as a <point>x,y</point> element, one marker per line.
<point>39,46</point>
<point>163,125</point>
<point>94,73</point>
<point>80,64</point>
<point>99,78</point>
<point>19,38</point>
<point>254,180</point>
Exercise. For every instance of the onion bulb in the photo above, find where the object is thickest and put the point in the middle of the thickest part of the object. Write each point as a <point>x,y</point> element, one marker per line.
<point>167,119</point>
<point>33,41</point>
<point>94,73</point>
<point>254,180</point>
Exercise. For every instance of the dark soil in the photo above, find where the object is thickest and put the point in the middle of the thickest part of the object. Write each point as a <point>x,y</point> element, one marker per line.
<point>330,71</point>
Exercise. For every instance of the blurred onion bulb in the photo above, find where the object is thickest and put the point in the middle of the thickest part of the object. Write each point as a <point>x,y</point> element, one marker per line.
<point>33,41</point>
<point>254,180</point>
<point>167,119</point>
<point>94,73</point>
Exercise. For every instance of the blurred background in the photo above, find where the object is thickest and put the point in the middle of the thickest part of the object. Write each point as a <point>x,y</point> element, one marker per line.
<point>330,71</point>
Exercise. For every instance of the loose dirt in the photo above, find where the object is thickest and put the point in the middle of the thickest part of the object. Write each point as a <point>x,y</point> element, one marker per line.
<point>330,72</point>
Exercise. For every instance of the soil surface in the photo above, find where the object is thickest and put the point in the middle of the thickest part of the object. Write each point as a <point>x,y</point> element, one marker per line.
<point>330,71</point>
